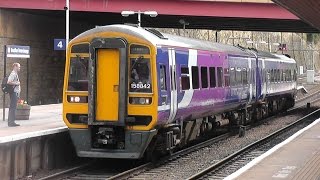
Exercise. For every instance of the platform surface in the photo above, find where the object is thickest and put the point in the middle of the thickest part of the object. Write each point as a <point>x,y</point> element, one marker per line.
<point>44,119</point>
<point>299,158</point>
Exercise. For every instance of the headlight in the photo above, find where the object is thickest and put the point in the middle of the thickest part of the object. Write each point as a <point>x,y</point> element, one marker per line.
<point>140,100</point>
<point>77,99</point>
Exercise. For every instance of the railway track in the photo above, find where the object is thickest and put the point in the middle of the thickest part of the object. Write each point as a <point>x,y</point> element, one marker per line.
<point>235,161</point>
<point>88,171</point>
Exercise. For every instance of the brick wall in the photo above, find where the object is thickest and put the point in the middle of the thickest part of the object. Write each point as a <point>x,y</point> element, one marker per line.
<point>46,66</point>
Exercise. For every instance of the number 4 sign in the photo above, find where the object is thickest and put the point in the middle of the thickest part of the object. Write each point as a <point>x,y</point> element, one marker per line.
<point>59,44</point>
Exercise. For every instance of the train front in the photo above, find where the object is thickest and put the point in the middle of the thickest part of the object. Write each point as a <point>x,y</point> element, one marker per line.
<point>109,98</point>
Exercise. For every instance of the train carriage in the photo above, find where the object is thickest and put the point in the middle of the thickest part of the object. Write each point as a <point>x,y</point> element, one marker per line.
<point>129,91</point>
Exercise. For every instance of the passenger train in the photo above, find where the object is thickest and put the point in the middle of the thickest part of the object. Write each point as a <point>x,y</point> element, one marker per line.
<point>132,91</point>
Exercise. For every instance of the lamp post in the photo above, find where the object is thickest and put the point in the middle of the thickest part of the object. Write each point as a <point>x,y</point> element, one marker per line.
<point>149,13</point>
<point>67,21</point>
<point>184,23</point>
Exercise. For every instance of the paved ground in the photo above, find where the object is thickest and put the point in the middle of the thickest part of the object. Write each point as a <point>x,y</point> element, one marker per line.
<point>298,159</point>
<point>42,117</point>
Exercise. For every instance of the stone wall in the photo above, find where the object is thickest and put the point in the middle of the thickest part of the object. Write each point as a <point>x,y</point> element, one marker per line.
<point>46,66</point>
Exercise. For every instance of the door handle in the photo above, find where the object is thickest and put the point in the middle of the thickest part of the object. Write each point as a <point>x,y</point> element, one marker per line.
<point>115,88</point>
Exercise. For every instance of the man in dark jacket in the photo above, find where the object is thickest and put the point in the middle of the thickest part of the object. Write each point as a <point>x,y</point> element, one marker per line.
<point>13,80</point>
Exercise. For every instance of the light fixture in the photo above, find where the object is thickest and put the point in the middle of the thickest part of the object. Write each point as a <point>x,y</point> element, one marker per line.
<point>151,13</point>
<point>127,13</point>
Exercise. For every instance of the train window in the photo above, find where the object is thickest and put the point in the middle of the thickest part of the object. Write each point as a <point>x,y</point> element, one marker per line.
<point>195,77</point>
<point>219,76</point>
<point>289,75</point>
<point>285,75</point>
<point>212,72</point>
<point>226,77</point>
<point>238,76</point>
<point>271,75</point>
<point>184,70</point>
<point>232,76</point>
<point>244,76</point>
<point>163,82</point>
<point>138,49</point>
<point>204,77</point>
<point>278,75</point>
<point>185,80</point>
<point>140,79</point>
<point>80,48</point>
<point>78,74</point>
<point>253,76</point>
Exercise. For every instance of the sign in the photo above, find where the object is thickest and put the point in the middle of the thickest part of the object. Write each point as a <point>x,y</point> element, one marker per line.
<point>282,47</point>
<point>301,70</point>
<point>59,44</point>
<point>18,51</point>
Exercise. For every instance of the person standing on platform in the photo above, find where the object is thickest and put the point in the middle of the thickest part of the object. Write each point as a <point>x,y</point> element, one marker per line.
<point>13,80</point>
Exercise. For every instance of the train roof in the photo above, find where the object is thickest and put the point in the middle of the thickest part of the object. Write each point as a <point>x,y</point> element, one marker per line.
<point>162,39</point>
<point>157,38</point>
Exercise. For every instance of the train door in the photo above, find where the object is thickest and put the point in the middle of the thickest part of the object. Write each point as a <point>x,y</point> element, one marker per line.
<point>263,78</point>
<point>107,84</point>
<point>108,87</point>
<point>173,84</point>
<point>164,83</point>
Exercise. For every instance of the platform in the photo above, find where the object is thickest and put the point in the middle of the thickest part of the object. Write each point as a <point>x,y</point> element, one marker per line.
<point>44,120</point>
<point>298,157</point>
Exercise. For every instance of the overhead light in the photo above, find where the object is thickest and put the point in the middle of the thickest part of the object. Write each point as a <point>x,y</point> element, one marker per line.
<point>263,42</point>
<point>127,13</point>
<point>276,44</point>
<point>249,42</point>
<point>151,13</point>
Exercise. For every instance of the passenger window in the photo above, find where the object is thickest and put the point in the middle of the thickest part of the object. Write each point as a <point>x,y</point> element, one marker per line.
<point>278,75</point>
<point>244,76</point>
<point>212,72</point>
<point>185,80</point>
<point>195,77</point>
<point>163,84</point>
<point>204,77</point>
<point>238,76</point>
<point>219,76</point>
<point>232,77</point>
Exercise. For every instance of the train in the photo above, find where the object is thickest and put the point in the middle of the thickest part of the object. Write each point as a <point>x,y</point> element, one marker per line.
<point>130,92</point>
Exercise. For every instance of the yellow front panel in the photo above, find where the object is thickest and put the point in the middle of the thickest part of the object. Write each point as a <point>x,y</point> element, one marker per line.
<point>107,85</point>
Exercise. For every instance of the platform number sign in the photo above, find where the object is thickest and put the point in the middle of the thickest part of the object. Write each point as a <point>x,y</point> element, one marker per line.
<point>59,44</point>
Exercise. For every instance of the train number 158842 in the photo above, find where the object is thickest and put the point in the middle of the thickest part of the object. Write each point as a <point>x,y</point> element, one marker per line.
<point>140,86</point>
